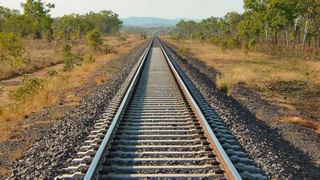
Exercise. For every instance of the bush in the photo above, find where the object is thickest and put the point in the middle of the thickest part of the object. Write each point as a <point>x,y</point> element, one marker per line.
<point>52,72</point>
<point>107,49</point>
<point>78,59</point>
<point>11,47</point>
<point>94,39</point>
<point>252,44</point>
<point>224,44</point>
<point>215,40</point>
<point>89,59</point>
<point>233,43</point>
<point>29,87</point>
<point>68,58</point>
<point>122,38</point>
<point>143,35</point>
<point>182,51</point>
<point>224,84</point>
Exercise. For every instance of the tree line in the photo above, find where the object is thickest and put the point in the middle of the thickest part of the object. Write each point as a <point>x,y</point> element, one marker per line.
<point>288,24</point>
<point>36,23</point>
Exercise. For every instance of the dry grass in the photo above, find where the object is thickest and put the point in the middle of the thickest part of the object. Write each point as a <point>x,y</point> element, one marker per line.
<point>302,122</point>
<point>39,54</point>
<point>256,69</point>
<point>4,172</point>
<point>276,78</point>
<point>101,79</point>
<point>59,86</point>
<point>225,84</point>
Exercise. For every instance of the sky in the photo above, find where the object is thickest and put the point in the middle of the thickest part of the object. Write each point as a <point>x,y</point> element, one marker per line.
<point>171,9</point>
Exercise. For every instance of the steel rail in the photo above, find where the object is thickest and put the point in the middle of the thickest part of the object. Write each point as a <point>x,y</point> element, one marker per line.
<point>225,162</point>
<point>100,154</point>
<point>231,171</point>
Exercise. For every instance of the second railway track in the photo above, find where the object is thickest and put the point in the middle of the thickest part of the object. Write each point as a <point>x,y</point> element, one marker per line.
<point>160,132</point>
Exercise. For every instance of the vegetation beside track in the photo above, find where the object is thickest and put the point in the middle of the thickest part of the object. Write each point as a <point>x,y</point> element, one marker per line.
<point>32,92</point>
<point>33,39</point>
<point>291,82</point>
<point>274,27</point>
<point>273,47</point>
<point>43,59</point>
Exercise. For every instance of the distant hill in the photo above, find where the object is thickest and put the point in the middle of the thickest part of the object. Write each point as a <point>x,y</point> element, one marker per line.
<point>149,22</point>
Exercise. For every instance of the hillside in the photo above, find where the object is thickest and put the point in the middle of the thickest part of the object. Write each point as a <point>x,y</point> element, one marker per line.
<point>149,22</point>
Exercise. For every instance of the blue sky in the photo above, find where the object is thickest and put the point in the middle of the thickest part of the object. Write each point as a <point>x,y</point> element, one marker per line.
<point>196,9</point>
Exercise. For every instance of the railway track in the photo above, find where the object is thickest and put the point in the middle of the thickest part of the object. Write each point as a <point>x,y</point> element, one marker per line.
<point>161,128</point>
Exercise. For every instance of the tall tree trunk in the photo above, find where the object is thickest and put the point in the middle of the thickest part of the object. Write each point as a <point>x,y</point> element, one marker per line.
<point>305,33</point>
<point>287,37</point>
<point>276,37</point>
<point>299,35</point>
<point>267,35</point>
<point>318,39</point>
<point>296,36</point>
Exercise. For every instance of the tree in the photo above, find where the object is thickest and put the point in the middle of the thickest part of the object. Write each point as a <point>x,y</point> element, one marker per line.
<point>281,15</point>
<point>94,39</point>
<point>38,14</point>
<point>68,57</point>
<point>233,19</point>
<point>11,47</point>
<point>4,14</point>
<point>74,26</point>
<point>187,28</point>
<point>209,27</point>
<point>17,24</point>
<point>71,27</point>
<point>105,21</point>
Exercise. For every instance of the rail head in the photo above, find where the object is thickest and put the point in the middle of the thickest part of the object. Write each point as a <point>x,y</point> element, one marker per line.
<point>100,154</point>
<point>231,171</point>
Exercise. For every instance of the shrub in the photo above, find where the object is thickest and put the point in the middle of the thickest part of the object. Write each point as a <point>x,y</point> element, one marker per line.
<point>107,49</point>
<point>233,43</point>
<point>89,59</point>
<point>182,51</point>
<point>215,40</point>
<point>78,59</point>
<point>28,88</point>
<point>68,57</point>
<point>11,48</point>
<point>224,84</point>
<point>122,38</point>
<point>143,35</point>
<point>94,39</point>
<point>224,44</point>
<point>252,44</point>
<point>52,72</point>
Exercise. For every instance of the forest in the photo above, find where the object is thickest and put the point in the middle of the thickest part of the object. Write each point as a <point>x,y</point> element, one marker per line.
<point>272,25</point>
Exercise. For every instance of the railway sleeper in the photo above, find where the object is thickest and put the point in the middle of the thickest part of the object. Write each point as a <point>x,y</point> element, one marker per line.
<point>162,169</point>
<point>160,161</point>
